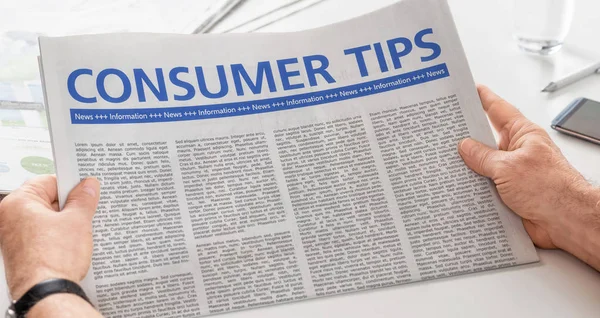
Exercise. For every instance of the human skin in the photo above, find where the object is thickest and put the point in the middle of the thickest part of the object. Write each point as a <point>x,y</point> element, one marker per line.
<point>560,209</point>
<point>40,242</point>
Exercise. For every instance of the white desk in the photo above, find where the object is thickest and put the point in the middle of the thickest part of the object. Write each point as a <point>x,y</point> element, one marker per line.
<point>558,286</point>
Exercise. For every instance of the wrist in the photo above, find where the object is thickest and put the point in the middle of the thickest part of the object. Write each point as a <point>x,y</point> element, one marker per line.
<point>62,305</point>
<point>576,229</point>
<point>36,297</point>
<point>20,283</point>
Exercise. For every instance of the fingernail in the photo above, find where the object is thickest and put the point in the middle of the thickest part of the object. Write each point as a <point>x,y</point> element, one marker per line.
<point>466,145</point>
<point>90,186</point>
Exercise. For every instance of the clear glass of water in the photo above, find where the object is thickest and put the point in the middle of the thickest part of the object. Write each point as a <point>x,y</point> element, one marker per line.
<point>542,25</point>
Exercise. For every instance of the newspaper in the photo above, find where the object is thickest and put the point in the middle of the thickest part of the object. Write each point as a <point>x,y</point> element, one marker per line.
<point>244,170</point>
<point>253,15</point>
<point>25,149</point>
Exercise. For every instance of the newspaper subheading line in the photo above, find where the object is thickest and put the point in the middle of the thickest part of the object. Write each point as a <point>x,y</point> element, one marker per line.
<point>166,114</point>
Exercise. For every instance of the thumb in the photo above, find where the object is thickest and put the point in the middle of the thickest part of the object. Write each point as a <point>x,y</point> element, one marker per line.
<point>479,157</point>
<point>84,197</point>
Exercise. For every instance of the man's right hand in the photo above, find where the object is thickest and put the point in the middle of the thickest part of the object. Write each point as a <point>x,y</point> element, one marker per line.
<point>558,206</point>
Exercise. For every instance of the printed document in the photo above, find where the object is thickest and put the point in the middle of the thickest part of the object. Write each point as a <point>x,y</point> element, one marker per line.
<point>25,149</point>
<point>244,170</point>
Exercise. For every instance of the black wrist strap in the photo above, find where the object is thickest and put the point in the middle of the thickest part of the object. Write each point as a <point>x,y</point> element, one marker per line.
<point>42,290</point>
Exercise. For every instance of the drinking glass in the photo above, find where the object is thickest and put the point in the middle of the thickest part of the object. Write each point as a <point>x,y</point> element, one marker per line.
<point>540,26</point>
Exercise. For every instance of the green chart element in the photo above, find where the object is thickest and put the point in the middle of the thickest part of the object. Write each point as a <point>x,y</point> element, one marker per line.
<point>38,165</point>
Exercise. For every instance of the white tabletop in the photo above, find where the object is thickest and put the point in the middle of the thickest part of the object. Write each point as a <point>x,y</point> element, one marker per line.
<point>558,286</point>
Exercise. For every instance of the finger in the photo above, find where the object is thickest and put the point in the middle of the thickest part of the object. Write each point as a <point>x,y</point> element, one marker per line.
<point>500,112</point>
<point>84,197</point>
<point>44,187</point>
<point>479,157</point>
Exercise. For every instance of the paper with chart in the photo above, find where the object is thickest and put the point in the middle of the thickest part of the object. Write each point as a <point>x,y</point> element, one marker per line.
<point>253,169</point>
<point>25,149</point>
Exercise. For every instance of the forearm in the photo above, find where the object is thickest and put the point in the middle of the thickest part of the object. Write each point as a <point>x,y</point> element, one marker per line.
<point>577,231</point>
<point>63,306</point>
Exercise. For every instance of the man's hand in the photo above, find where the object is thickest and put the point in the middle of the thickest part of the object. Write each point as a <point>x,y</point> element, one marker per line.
<point>558,206</point>
<point>38,241</point>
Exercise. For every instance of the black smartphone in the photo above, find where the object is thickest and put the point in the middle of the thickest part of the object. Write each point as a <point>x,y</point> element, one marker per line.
<point>580,119</point>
